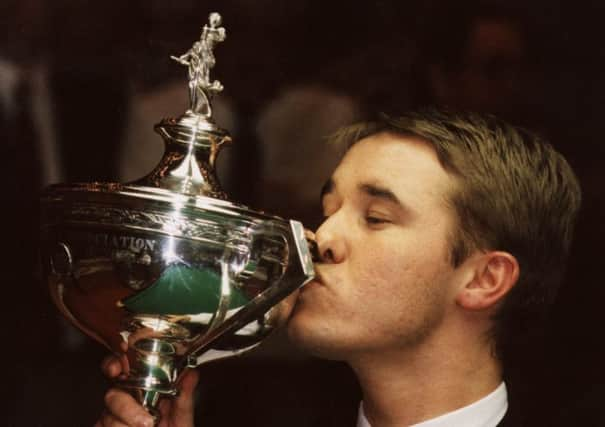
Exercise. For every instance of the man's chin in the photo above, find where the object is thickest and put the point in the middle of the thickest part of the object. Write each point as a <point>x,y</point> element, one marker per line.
<point>303,337</point>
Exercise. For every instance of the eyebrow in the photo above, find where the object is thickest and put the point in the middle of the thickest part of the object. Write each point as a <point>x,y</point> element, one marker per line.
<point>380,193</point>
<point>371,190</point>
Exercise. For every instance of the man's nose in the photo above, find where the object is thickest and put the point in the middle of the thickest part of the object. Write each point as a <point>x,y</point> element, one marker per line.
<point>330,242</point>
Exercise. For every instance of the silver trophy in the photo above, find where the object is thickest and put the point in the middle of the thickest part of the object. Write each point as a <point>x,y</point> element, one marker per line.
<point>166,270</point>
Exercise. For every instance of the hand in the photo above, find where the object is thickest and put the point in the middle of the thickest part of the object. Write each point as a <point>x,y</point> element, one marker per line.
<point>123,410</point>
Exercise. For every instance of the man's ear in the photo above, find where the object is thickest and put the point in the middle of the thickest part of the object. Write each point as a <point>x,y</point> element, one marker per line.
<point>494,275</point>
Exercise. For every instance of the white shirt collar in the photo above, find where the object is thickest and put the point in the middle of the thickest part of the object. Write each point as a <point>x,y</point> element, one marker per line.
<point>486,412</point>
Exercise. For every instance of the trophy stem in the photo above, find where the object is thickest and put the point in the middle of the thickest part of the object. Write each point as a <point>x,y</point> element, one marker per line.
<point>149,399</point>
<point>153,373</point>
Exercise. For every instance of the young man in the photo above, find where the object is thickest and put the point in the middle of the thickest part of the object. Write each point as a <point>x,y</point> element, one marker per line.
<point>444,235</point>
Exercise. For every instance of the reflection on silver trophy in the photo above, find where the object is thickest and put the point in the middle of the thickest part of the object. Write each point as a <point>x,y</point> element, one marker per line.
<point>165,269</point>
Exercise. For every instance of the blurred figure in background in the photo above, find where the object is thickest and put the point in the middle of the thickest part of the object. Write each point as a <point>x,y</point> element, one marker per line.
<point>476,56</point>
<point>293,130</point>
<point>30,160</point>
<point>60,112</point>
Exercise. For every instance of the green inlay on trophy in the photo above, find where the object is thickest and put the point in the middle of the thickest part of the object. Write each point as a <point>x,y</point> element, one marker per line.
<point>172,293</point>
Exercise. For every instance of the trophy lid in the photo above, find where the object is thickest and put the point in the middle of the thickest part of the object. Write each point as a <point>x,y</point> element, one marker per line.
<point>186,174</point>
<point>193,140</point>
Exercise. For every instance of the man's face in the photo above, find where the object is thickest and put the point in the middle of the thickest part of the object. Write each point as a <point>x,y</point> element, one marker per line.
<point>385,282</point>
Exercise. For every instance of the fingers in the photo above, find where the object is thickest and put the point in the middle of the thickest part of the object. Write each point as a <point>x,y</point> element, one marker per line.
<point>179,411</point>
<point>108,420</point>
<point>185,399</point>
<point>113,365</point>
<point>123,410</point>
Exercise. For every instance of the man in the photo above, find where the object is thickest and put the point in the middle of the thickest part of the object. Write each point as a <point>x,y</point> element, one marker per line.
<point>444,236</point>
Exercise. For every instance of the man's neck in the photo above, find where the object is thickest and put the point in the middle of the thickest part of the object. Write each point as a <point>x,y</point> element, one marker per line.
<point>407,387</point>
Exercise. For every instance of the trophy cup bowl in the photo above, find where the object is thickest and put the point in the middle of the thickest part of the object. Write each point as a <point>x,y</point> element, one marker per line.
<point>166,270</point>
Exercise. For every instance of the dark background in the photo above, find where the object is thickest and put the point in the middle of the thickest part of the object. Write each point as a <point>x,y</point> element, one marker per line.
<point>98,59</point>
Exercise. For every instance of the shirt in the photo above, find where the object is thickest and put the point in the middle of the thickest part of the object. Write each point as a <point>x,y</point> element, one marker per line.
<point>486,412</point>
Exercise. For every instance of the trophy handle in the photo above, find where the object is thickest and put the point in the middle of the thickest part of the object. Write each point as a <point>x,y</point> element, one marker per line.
<point>299,272</point>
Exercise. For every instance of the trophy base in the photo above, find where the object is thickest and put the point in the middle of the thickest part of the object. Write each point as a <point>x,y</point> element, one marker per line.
<point>149,399</point>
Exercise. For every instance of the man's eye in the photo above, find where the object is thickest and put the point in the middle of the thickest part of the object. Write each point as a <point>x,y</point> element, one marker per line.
<point>373,220</point>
